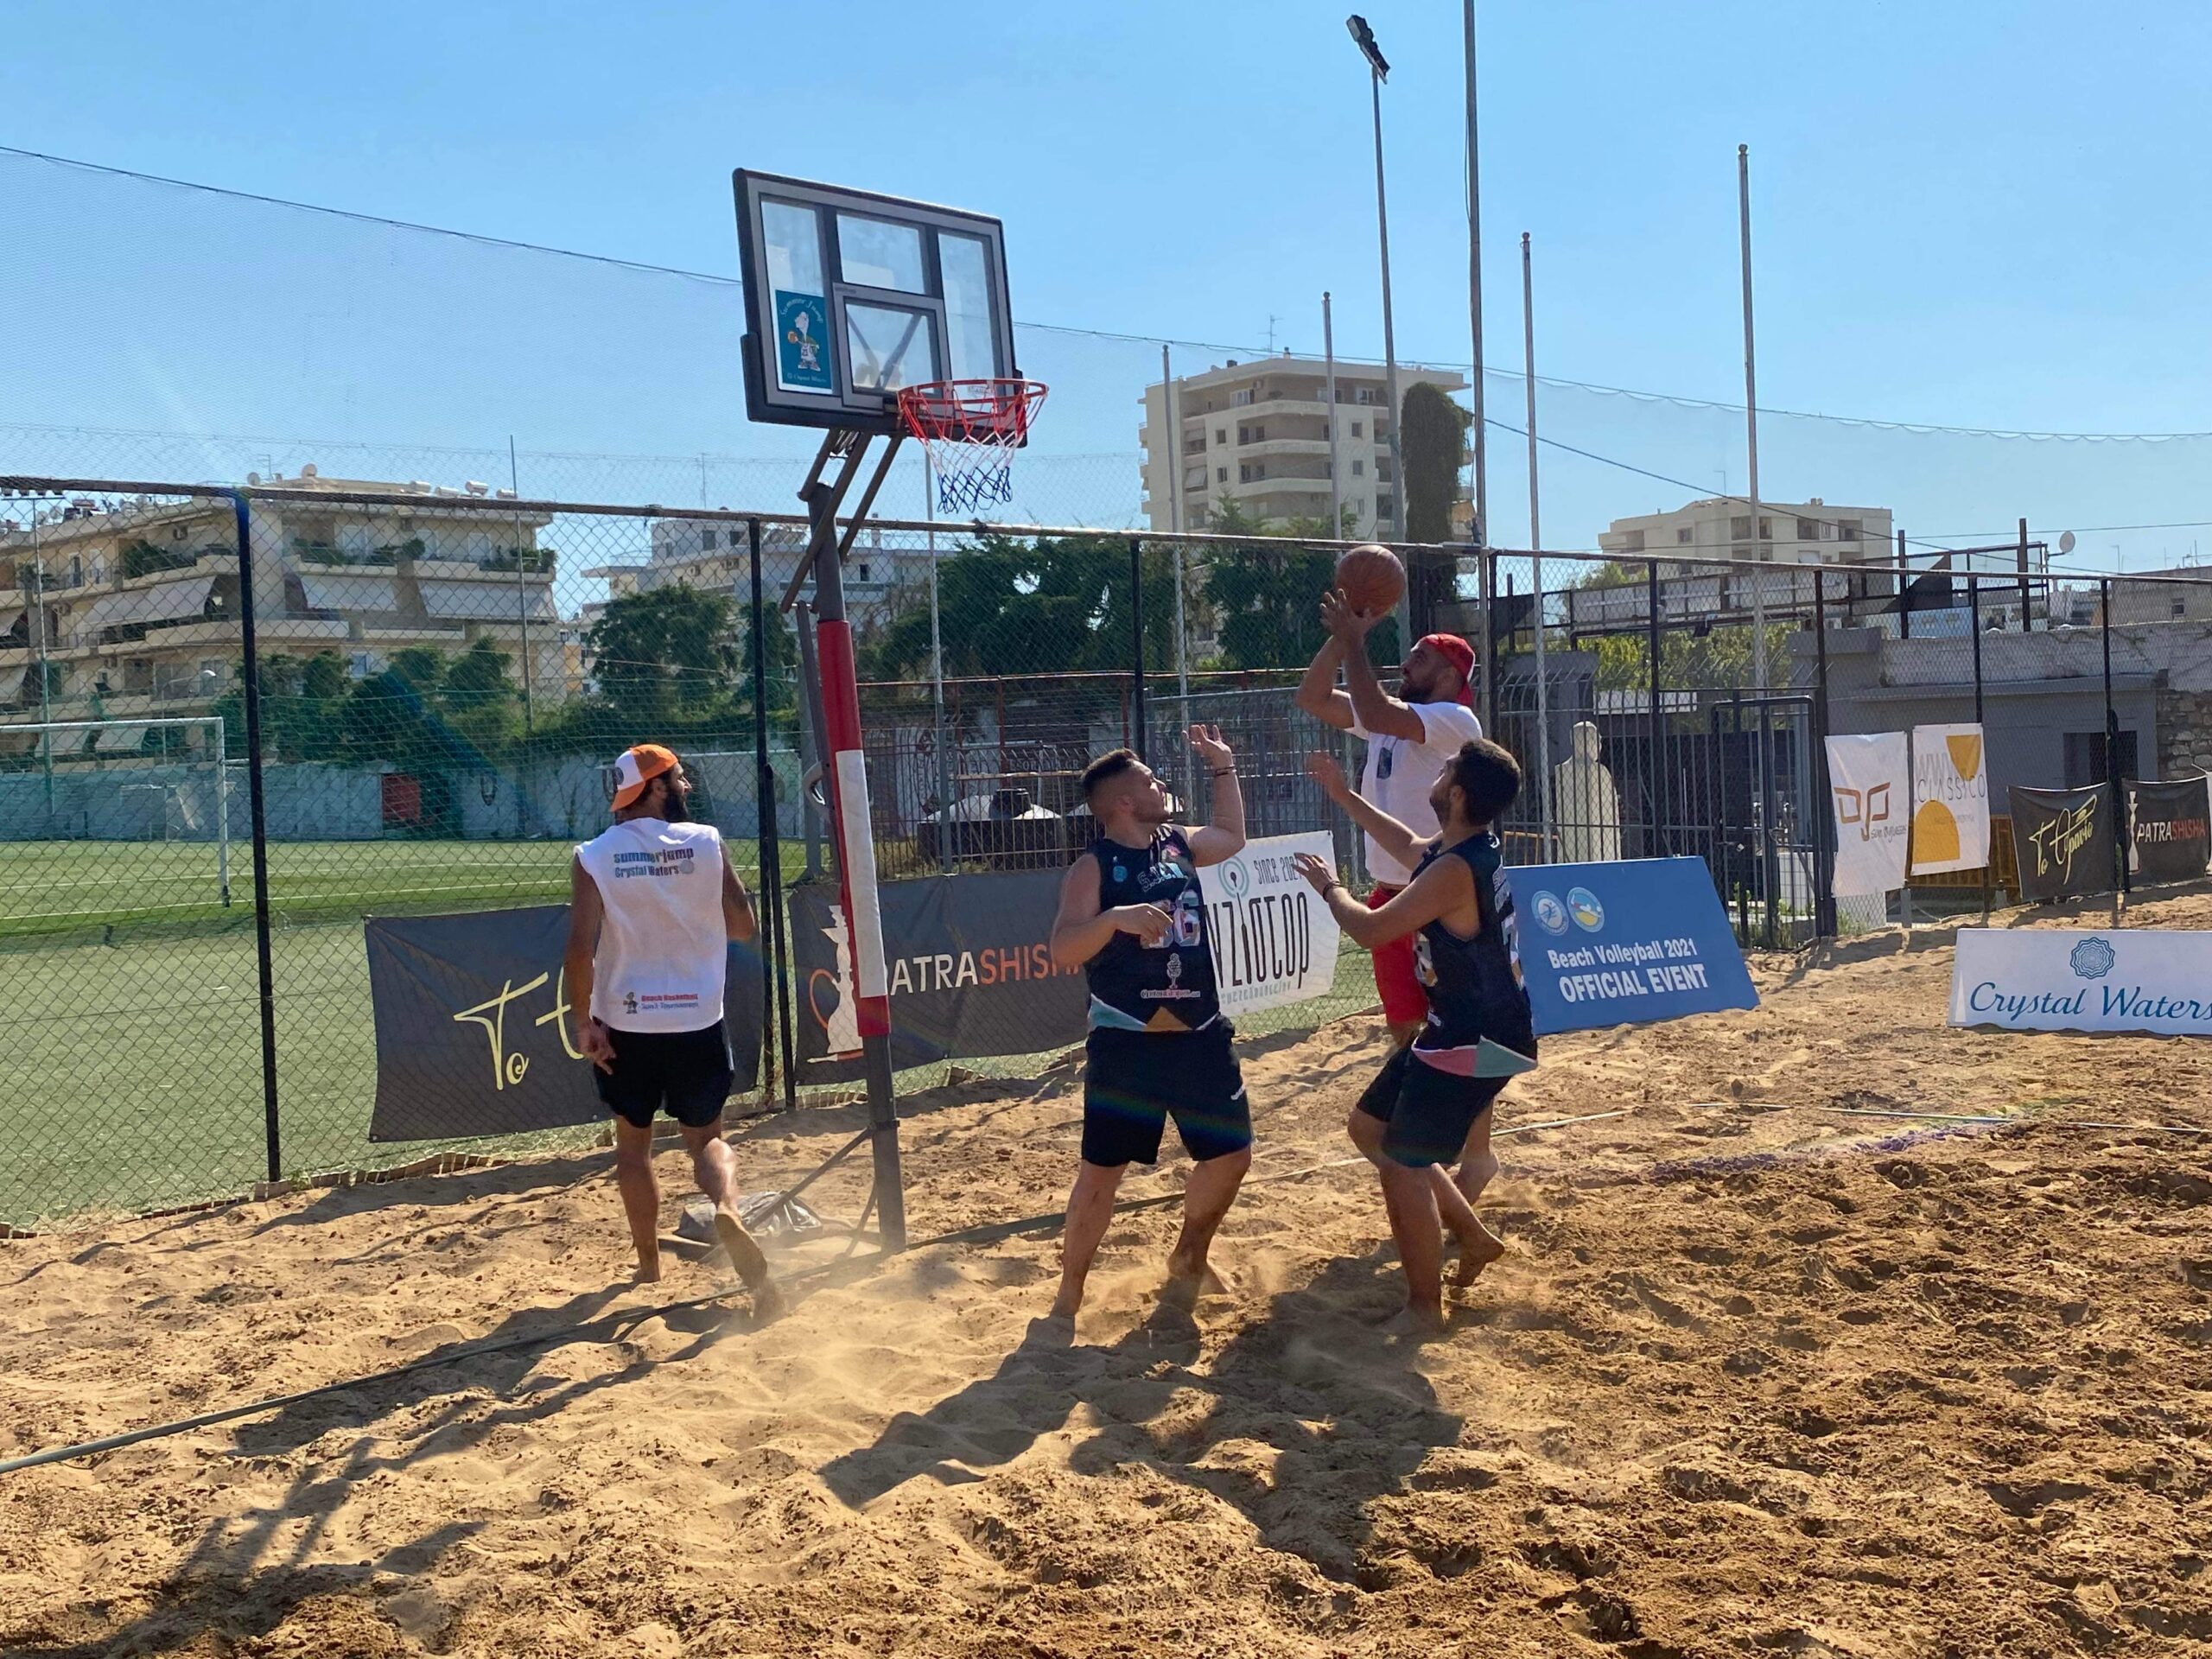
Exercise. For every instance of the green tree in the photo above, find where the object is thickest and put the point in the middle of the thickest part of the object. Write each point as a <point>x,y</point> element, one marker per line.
<point>666,658</point>
<point>480,697</point>
<point>1433,445</point>
<point>1267,604</point>
<point>303,707</point>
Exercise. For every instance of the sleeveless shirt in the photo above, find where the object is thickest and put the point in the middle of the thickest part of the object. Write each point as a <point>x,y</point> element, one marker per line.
<point>663,947</point>
<point>1474,985</point>
<point>1168,986</point>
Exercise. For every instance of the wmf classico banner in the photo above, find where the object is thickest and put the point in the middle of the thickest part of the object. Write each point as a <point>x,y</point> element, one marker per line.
<point>475,1034</point>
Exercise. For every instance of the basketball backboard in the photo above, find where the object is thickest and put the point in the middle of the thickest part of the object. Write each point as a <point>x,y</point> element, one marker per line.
<point>850,296</point>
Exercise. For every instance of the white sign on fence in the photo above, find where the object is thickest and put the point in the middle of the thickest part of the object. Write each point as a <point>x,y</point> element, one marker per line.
<point>1950,799</point>
<point>1273,940</point>
<point>2055,979</point>
<point>1868,781</point>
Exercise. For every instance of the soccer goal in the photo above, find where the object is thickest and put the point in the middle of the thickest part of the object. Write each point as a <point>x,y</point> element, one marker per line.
<point>176,799</point>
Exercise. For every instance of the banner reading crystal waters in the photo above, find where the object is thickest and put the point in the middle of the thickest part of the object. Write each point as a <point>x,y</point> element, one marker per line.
<point>2054,979</point>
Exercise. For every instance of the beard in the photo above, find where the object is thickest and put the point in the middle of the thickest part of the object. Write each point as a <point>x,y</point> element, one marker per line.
<point>1151,811</point>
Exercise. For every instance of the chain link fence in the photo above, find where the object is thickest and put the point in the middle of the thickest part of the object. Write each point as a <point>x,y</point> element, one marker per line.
<point>234,726</point>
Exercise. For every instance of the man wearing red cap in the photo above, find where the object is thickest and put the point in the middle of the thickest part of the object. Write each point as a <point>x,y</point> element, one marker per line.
<point>1411,737</point>
<point>654,903</point>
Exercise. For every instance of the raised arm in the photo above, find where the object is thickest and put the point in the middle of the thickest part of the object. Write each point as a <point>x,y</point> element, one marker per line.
<point>1223,836</point>
<point>1376,710</point>
<point>1444,887</point>
<point>585,909</point>
<point>1318,693</point>
<point>1080,930</point>
<point>1402,844</point>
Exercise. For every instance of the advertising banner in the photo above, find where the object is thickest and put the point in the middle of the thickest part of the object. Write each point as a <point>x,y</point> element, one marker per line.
<point>1275,942</point>
<point>1870,782</point>
<point>2062,839</point>
<point>2170,840</point>
<point>2057,979</point>
<point>474,1031</point>
<point>1626,944</point>
<point>971,972</point>
<point>1950,799</point>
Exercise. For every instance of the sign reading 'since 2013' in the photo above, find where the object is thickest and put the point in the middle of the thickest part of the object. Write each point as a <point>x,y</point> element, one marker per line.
<point>1625,943</point>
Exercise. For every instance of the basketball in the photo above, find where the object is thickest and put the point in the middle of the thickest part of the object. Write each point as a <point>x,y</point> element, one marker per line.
<point>1371,579</point>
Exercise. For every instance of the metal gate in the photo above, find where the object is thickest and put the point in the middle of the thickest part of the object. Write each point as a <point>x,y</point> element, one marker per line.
<point>1767,857</point>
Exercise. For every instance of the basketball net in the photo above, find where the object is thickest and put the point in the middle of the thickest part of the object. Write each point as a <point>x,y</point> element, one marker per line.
<point>970,430</point>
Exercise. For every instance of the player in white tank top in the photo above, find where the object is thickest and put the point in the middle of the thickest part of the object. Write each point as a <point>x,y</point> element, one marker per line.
<point>653,905</point>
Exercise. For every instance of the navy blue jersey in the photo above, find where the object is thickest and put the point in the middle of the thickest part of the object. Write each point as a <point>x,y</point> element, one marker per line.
<point>1473,986</point>
<point>1168,986</point>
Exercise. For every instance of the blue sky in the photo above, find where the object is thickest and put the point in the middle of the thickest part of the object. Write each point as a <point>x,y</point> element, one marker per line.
<point>1978,213</point>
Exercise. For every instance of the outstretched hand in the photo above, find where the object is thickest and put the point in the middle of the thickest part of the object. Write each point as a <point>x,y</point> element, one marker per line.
<point>1208,743</point>
<point>1324,770</point>
<point>1345,625</point>
<point>1319,874</point>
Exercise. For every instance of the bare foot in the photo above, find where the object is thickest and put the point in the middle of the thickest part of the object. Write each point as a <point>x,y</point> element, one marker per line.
<point>646,1273</point>
<point>1067,1304</point>
<point>1476,1172</point>
<point>1477,1251</point>
<point>1202,1279</point>
<point>1418,1322</point>
<point>744,1254</point>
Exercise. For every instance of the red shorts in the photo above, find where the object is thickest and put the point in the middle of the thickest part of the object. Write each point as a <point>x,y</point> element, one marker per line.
<point>1404,1002</point>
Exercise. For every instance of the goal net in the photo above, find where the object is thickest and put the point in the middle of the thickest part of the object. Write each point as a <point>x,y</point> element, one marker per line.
<point>163,780</point>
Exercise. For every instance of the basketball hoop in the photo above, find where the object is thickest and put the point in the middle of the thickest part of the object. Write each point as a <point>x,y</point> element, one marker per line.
<point>971,429</point>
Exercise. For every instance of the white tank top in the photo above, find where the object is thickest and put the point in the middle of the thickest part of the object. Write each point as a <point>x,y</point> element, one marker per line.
<point>663,947</point>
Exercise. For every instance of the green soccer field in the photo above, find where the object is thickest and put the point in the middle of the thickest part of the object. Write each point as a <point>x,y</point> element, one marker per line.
<point>129,1011</point>
<point>128,1003</point>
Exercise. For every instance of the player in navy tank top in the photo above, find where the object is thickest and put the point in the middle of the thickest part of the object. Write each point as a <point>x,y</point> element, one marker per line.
<point>1133,915</point>
<point>1430,1104</point>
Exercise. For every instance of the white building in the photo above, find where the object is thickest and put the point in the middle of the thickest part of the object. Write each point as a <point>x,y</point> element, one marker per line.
<point>716,554</point>
<point>121,609</point>
<point>1260,434</point>
<point>1720,527</point>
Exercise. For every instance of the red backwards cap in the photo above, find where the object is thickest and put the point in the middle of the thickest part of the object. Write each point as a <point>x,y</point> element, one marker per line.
<point>1461,655</point>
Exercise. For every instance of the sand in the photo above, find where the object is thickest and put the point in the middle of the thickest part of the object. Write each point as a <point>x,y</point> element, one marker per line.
<point>1755,1377</point>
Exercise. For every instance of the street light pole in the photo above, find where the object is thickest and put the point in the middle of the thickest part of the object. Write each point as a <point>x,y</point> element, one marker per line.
<point>1379,71</point>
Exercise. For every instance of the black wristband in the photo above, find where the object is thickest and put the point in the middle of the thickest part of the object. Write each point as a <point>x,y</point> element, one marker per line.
<point>1226,772</point>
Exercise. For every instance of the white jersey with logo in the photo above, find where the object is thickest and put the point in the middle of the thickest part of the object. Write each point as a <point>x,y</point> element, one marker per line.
<point>1399,772</point>
<point>663,945</point>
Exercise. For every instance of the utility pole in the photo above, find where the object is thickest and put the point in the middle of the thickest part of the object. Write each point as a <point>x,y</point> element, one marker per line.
<point>1751,423</point>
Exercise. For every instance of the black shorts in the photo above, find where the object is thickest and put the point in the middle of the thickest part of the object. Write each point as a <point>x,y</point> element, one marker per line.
<point>1136,1080</point>
<point>686,1073</point>
<point>1428,1114</point>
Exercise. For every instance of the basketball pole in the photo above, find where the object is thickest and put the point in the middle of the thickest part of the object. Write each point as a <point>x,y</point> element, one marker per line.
<point>845,774</point>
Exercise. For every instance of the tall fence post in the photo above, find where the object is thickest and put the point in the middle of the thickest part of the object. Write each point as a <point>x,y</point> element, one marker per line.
<point>2026,615</point>
<point>1973,624</point>
<point>775,985</point>
<point>1136,647</point>
<point>1654,771</point>
<point>257,804</point>
<point>945,768</point>
<point>2119,826</point>
<point>1824,922</point>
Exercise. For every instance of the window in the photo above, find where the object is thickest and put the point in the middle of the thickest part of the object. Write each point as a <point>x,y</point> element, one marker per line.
<point>1241,398</point>
<point>1846,530</point>
<point>1251,471</point>
<point>1808,530</point>
<point>706,541</point>
<point>357,667</point>
<point>1385,506</point>
<point>2085,758</point>
<point>1359,469</point>
<point>1683,536</point>
<point>2178,609</point>
<point>1220,435</point>
<point>864,573</point>
<point>1221,474</point>
<point>1367,394</point>
<point>1740,526</point>
<point>178,534</point>
<point>1633,542</point>
<point>1358,429</point>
